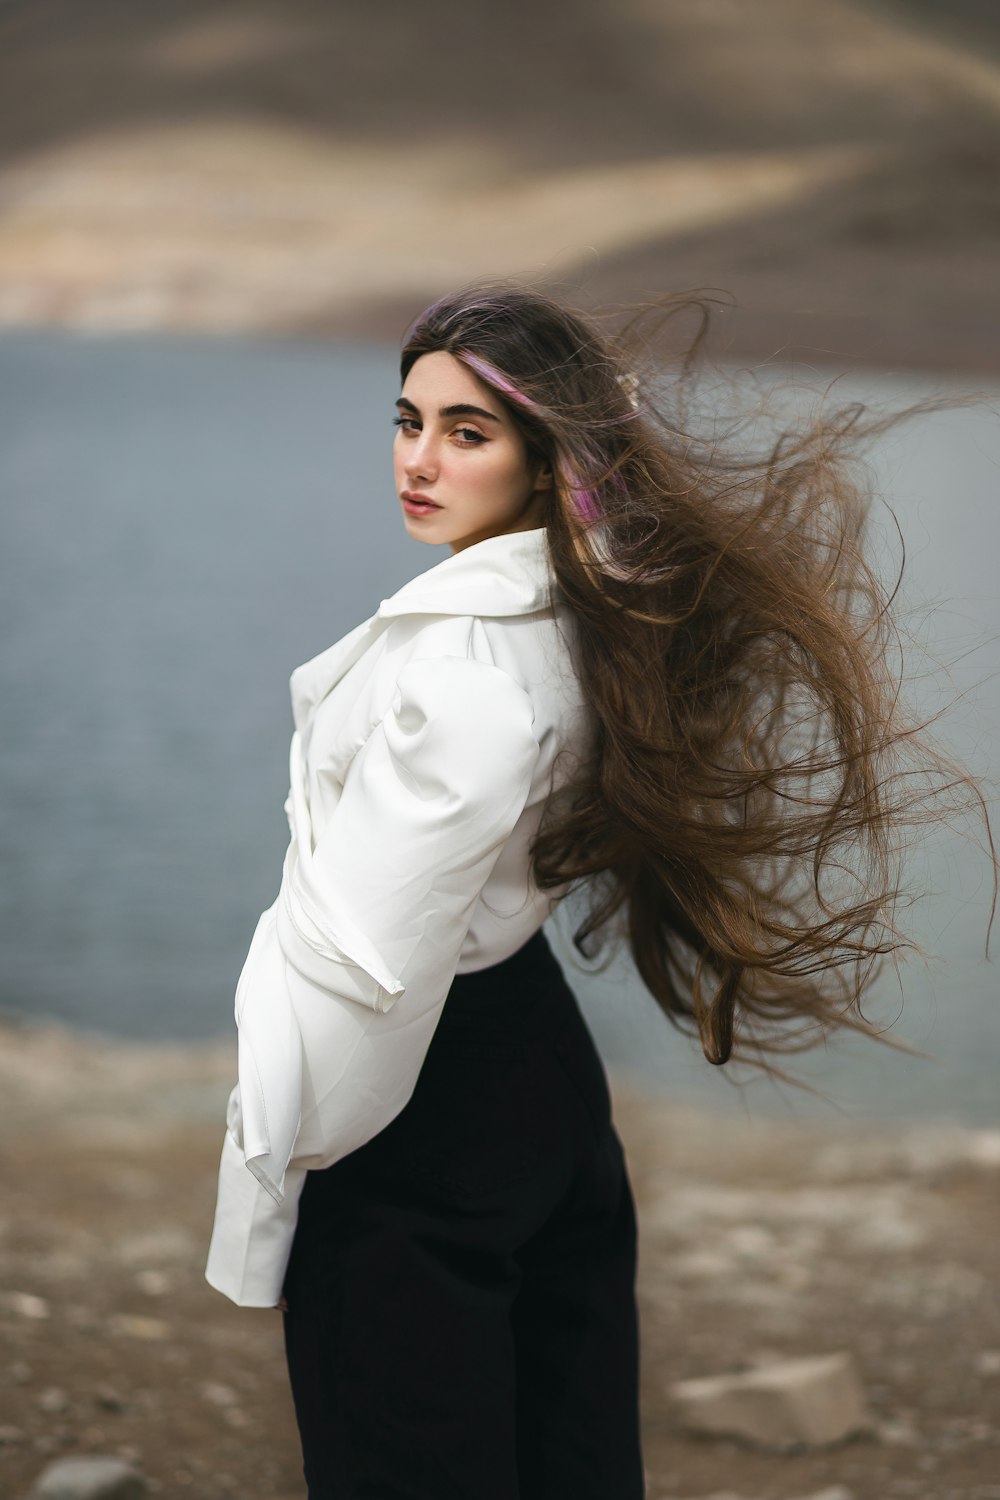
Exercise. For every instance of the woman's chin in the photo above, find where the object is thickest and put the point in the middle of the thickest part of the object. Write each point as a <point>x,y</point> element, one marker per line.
<point>423,529</point>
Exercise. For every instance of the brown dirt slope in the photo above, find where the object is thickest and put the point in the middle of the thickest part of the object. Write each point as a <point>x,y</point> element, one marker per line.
<point>834,164</point>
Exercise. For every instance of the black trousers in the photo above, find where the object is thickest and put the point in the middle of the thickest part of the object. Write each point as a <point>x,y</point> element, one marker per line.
<point>461,1319</point>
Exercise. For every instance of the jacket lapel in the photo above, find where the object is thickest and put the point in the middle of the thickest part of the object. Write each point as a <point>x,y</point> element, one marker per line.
<point>503,575</point>
<point>311,682</point>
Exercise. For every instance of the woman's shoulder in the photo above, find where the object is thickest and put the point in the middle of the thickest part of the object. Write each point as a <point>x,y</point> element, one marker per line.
<point>535,650</point>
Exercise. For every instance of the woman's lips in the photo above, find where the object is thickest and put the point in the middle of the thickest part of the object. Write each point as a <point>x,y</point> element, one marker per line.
<point>416,504</point>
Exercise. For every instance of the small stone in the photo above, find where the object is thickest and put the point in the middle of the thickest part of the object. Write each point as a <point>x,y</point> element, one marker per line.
<point>722,1495</point>
<point>153,1283</point>
<point>19,1373</point>
<point>834,1492</point>
<point>987,1362</point>
<point>53,1401</point>
<point>93,1477</point>
<point>28,1305</point>
<point>134,1326</point>
<point>898,1432</point>
<point>86,1318</point>
<point>799,1402</point>
<point>10,1435</point>
<point>108,1399</point>
<point>217,1394</point>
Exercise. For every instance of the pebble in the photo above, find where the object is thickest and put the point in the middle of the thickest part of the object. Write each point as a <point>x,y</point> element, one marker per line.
<point>53,1401</point>
<point>987,1362</point>
<point>833,1492</point>
<point>153,1283</point>
<point>217,1394</point>
<point>28,1305</point>
<point>135,1326</point>
<point>108,1399</point>
<point>795,1403</point>
<point>90,1477</point>
<point>898,1432</point>
<point>10,1435</point>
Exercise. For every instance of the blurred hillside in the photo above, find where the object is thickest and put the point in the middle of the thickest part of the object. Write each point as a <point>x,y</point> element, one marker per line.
<point>290,166</point>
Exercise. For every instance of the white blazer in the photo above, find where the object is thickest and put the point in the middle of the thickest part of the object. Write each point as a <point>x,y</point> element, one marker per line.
<point>426,744</point>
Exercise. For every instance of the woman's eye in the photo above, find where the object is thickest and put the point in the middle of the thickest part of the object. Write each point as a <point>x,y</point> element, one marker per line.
<point>469,435</point>
<point>408,424</point>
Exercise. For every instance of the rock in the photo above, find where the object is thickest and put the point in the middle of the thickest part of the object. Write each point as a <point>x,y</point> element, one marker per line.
<point>153,1283</point>
<point>987,1362</point>
<point>718,1495</point>
<point>10,1435</point>
<point>93,1477</point>
<point>217,1394</point>
<point>108,1399</point>
<point>135,1326</point>
<point>898,1432</point>
<point>724,1495</point>
<point>834,1492</point>
<point>27,1305</point>
<point>53,1401</point>
<point>798,1402</point>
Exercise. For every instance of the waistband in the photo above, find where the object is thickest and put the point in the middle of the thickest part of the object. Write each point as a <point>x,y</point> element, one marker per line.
<point>529,985</point>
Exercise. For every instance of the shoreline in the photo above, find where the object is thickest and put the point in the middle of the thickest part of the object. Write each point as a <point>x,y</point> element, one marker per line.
<point>829,344</point>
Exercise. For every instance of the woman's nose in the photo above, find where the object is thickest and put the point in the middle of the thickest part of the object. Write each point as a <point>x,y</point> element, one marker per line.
<point>421,459</point>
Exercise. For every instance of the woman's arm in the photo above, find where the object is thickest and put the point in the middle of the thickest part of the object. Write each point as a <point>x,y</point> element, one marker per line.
<point>354,962</point>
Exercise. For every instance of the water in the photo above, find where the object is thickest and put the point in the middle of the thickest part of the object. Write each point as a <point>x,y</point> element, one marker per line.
<point>155,494</point>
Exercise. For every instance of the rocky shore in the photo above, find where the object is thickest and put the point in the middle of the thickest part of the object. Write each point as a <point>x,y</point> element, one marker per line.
<point>763,1242</point>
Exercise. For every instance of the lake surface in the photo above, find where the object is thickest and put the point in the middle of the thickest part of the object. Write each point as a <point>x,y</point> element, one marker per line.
<point>153,494</point>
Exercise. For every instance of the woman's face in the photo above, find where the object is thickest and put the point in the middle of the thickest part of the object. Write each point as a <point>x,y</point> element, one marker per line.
<point>460,461</point>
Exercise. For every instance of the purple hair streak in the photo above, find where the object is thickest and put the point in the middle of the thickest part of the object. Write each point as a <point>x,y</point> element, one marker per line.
<point>585,500</point>
<point>492,376</point>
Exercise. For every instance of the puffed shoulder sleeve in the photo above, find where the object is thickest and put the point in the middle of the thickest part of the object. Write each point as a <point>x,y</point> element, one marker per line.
<point>427,804</point>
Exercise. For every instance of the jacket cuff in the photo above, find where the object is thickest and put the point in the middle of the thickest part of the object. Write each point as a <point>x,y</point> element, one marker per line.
<point>252,1234</point>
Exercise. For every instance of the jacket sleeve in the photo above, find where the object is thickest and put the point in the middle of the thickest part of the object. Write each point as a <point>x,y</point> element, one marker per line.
<point>354,961</point>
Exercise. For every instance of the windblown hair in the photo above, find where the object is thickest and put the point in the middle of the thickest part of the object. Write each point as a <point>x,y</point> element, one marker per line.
<point>740,819</point>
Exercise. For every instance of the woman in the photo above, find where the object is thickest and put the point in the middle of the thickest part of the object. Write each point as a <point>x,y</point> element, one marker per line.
<point>646,673</point>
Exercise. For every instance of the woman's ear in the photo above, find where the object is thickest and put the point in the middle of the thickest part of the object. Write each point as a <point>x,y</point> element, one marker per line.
<point>543,475</point>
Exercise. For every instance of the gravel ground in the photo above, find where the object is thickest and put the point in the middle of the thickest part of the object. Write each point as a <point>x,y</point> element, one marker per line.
<point>760,1240</point>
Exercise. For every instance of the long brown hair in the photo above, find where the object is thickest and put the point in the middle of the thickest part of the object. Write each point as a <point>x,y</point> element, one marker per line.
<point>741,818</point>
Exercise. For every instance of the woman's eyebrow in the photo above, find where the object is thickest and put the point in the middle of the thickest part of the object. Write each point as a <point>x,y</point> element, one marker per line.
<point>461,409</point>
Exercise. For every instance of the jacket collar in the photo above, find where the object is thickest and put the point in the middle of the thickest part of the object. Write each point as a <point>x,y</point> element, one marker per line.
<point>502,575</point>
